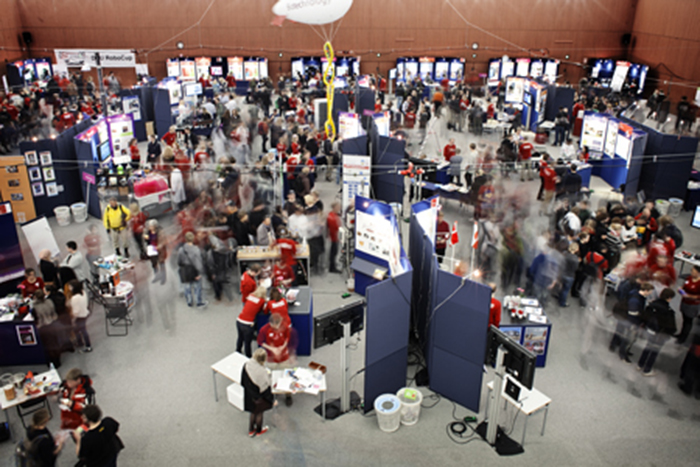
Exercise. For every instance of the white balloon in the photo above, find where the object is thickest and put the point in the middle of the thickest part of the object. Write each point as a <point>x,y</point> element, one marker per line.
<point>312,11</point>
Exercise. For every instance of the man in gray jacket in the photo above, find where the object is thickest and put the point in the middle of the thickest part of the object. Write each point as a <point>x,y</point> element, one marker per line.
<point>74,260</point>
<point>191,269</point>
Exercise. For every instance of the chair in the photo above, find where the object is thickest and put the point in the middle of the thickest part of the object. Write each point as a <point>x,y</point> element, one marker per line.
<point>116,315</point>
<point>32,406</point>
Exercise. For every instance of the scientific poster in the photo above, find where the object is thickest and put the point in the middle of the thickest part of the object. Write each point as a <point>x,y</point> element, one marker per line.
<point>494,72</point>
<point>515,90</point>
<point>252,71</point>
<point>523,67</point>
<point>173,66</point>
<point>187,70</point>
<point>263,67</point>
<point>593,132</point>
<point>356,174</point>
<point>235,65</point>
<point>348,125</point>
<point>373,235</point>
<point>611,138</point>
<point>132,106</point>
<point>427,67</point>
<point>202,65</point>
<point>121,132</point>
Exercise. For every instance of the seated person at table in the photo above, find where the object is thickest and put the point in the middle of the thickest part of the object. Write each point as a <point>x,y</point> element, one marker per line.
<point>42,447</point>
<point>246,320</point>
<point>282,274</point>
<point>275,337</point>
<point>48,268</point>
<point>76,389</point>
<point>31,283</point>
<point>249,280</point>
<point>278,304</point>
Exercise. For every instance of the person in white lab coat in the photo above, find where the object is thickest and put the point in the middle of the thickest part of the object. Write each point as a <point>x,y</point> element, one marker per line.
<point>177,184</point>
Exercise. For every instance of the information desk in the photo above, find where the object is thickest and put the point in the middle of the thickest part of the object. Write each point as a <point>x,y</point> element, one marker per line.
<point>230,367</point>
<point>302,316</point>
<point>460,194</point>
<point>19,342</point>
<point>47,383</point>
<point>261,254</point>
<point>532,335</point>
<point>685,258</point>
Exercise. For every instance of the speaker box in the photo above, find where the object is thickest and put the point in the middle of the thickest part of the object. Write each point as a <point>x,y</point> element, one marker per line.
<point>626,39</point>
<point>27,38</point>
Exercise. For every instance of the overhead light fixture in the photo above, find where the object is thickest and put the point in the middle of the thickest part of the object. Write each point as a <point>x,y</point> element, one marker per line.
<point>280,54</point>
<point>475,46</point>
<point>180,45</point>
<point>473,55</point>
<point>379,55</point>
<point>566,57</point>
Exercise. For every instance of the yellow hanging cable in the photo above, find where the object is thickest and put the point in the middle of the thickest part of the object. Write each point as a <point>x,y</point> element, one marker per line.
<point>328,80</point>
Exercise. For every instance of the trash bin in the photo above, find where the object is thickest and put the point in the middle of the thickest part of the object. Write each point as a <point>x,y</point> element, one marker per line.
<point>411,400</point>
<point>674,208</point>
<point>662,206</point>
<point>79,211</point>
<point>62,215</point>
<point>388,408</point>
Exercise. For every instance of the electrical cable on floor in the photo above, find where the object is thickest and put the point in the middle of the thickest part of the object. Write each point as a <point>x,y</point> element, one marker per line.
<point>435,397</point>
<point>457,428</point>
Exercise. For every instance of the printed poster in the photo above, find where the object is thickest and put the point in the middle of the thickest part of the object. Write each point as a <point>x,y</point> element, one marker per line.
<point>535,339</point>
<point>373,235</point>
<point>356,174</point>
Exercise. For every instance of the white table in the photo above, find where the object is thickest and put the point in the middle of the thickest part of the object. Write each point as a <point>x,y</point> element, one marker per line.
<point>277,374</point>
<point>529,403</point>
<point>229,367</point>
<point>47,379</point>
<point>692,261</point>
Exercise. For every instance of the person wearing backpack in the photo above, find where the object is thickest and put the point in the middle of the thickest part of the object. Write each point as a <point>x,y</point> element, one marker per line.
<point>660,324</point>
<point>38,449</point>
<point>115,219</point>
<point>99,445</point>
<point>632,295</point>
<point>191,269</point>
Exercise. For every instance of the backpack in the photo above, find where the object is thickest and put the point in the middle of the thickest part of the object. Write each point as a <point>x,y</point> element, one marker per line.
<point>591,269</point>
<point>186,270</point>
<point>26,452</point>
<point>675,233</point>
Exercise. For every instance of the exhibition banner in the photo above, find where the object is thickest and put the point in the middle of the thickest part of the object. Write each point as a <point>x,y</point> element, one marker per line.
<point>593,132</point>
<point>76,58</point>
<point>121,129</point>
<point>349,125</point>
<point>356,173</point>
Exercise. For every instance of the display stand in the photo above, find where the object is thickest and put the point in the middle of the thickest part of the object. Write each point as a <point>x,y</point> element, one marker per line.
<point>489,429</point>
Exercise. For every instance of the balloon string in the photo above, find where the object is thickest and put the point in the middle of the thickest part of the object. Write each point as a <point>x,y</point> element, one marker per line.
<point>329,80</point>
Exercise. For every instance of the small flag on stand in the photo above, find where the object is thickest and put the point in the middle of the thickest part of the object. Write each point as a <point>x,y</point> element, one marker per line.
<point>454,238</point>
<point>475,238</point>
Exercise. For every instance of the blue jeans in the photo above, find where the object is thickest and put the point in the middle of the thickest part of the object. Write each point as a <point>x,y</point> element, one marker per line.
<point>559,132</point>
<point>197,284</point>
<point>566,283</point>
<point>651,351</point>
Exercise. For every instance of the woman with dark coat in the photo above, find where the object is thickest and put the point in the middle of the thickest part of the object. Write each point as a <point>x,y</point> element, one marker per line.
<point>258,397</point>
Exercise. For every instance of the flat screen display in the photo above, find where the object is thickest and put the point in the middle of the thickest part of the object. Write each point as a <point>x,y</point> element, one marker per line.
<point>695,222</point>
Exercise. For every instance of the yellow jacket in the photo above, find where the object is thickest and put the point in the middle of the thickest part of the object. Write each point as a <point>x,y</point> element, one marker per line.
<point>116,218</point>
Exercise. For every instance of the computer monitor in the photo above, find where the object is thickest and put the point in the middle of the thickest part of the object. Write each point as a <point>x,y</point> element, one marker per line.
<point>105,151</point>
<point>193,89</point>
<point>519,362</point>
<point>695,221</point>
<point>328,328</point>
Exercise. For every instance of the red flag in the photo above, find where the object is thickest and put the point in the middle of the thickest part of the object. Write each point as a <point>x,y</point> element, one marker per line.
<point>475,238</point>
<point>454,238</point>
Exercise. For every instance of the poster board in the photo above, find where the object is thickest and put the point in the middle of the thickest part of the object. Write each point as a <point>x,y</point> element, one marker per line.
<point>15,186</point>
<point>40,236</point>
<point>132,106</point>
<point>173,66</point>
<point>349,125</point>
<point>202,65</point>
<point>494,72</point>
<point>593,131</point>
<point>187,70</point>
<point>356,176</point>
<point>121,132</point>
<point>235,65</point>
<point>515,90</point>
<point>619,75</point>
<point>611,138</point>
<point>373,233</point>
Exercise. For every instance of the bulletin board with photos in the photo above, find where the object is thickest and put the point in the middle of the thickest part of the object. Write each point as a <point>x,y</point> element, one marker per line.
<point>15,187</point>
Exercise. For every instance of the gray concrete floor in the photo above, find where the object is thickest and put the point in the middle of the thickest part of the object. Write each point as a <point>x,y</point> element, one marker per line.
<point>157,382</point>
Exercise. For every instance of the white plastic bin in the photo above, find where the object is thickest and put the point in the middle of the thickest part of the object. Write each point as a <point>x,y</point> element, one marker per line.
<point>62,215</point>
<point>388,408</point>
<point>235,394</point>
<point>411,400</point>
<point>662,206</point>
<point>674,208</point>
<point>79,211</point>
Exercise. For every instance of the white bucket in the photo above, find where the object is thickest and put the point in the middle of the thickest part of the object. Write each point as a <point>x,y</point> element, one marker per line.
<point>411,400</point>
<point>675,205</point>
<point>662,206</point>
<point>62,215</point>
<point>79,212</point>
<point>388,408</point>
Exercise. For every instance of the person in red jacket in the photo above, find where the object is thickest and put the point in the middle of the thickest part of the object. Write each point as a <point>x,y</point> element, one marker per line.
<point>663,271</point>
<point>296,147</point>
<point>287,247</point>
<point>549,177</point>
<point>135,153</point>
<point>245,323</point>
<point>441,237</point>
<point>450,150</point>
<point>334,223</point>
<point>524,155</point>
<point>75,391</point>
<point>495,309</point>
<point>67,118</point>
<point>276,337</point>
<point>31,283</point>
<point>171,136</point>
<point>278,304</point>
<point>377,105</point>
<point>231,81</point>
<point>249,281</point>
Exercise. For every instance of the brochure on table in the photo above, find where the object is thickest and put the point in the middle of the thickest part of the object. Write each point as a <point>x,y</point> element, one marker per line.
<point>356,178</point>
<point>377,236</point>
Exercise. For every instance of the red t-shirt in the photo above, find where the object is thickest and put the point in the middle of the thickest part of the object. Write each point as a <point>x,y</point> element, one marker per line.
<point>281,148</point>
<point>550,178</point>
<point>248,285</point>
<point>495,313</point>
<point>280,274</point>
<point>526,151</point>
<point>281,308</point>
<point>275,338</point>
<point>296,148</point>
<point>449,152</point>
<point>169,138</point>
<point>333,223</point>
<point>231,81</point>
<point>377,107</point>
<point>28,288</point>
<point>443,233</point>
<point>596,258</point>
<point>252,306</point>
<point>135,156</point>
<point>288,250</point>
<point>693,288</point>
<point>668,273</point>
<point>68,119</point>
